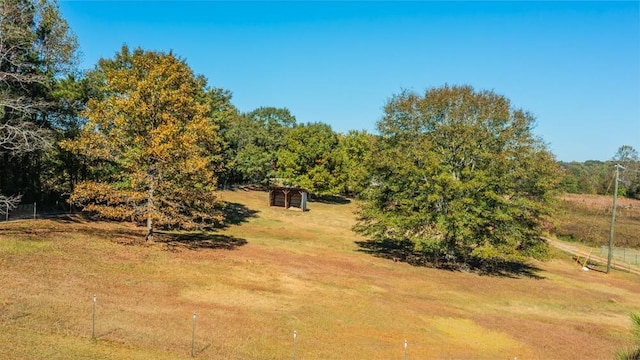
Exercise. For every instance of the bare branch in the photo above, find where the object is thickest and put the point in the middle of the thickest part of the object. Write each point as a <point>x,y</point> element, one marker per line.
<point>23,137</point>
<point>23,105</point>
<point>8,78</point>
<point>8,203</point>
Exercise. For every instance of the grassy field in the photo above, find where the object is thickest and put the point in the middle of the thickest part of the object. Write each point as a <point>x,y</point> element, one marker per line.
<point>587,219</point>
<point>272,271</point>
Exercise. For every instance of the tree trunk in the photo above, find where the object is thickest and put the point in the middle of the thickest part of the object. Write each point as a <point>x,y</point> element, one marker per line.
<point>149,236</point>
<point>150,209</point>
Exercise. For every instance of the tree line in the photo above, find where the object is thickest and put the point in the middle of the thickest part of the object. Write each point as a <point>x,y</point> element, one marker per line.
<point>596,177</point>
<point>141,137</point>
<point>454,172</point>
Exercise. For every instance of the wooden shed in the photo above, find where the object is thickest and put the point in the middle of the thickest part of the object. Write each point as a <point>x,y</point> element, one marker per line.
<point>288,198</point>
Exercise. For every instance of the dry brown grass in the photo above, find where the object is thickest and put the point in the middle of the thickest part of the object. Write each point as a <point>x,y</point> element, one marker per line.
<point>286,270</point>
<point>587,219</point>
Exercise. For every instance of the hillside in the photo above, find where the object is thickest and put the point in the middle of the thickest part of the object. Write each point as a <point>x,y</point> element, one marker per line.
<point>272,271</point>
<point>587,219</point>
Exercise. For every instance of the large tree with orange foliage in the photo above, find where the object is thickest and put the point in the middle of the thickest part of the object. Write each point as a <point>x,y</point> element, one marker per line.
<point>152,143</point>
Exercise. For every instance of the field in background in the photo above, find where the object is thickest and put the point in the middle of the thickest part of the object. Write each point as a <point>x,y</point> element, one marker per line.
<point>587,218</point>
<point>272,271</point>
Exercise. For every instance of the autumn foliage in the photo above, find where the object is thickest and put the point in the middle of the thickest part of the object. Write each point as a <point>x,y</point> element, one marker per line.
<point>150,142</point>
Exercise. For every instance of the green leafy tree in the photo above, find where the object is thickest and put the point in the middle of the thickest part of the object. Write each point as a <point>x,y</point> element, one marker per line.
<point>596,177</point>
<point>308,159</point>
<point>62,169</point>
<point>36,47</point>
<point>628,157</point>
<point>354,156</point>
<point>225,115</point>
<point>589,177</point>
<point>153,133</point>
<point>254,140</point>
<point>633,187</point>
<point>459,174</point>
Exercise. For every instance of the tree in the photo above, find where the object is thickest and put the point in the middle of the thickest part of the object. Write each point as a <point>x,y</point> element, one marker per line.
<point>254,140</point>
<point>596,177</point>
<point>225,115</point>
<point>36,46</point>
<point>153,136</point>
<point>460,175</point>
<point>354,156</point>
<point>628,157</point>
<point>308,159</point>
<point>589,177</point>
<point>625,154</point>
<point>62,169</point>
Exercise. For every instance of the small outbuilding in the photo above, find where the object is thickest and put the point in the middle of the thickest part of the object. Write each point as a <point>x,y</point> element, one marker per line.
<point>288,198</point>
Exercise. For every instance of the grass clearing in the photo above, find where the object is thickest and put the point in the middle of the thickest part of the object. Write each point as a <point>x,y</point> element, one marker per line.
<point>286,270</point>
<point>587,219</point>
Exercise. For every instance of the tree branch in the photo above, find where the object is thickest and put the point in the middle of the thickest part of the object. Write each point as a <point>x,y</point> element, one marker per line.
<point>7,203</point>
<point>23,137</point>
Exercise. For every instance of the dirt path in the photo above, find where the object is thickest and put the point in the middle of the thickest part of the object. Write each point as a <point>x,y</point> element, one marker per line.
<point>576,250</point>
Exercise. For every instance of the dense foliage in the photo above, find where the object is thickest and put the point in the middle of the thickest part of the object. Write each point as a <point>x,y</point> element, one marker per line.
<point>459,174</point>
<point>456,173</point>
<point>36,49</point>
<point>596,177</point>
<point>307,159</point>
<point>253,141</point>
<point>153,145</point>
<point>354,154</point>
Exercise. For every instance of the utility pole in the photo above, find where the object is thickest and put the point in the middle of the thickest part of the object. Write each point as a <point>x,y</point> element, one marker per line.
<point>613,216</point>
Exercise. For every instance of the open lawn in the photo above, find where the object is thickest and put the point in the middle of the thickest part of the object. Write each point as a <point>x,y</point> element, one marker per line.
<point>272,271</point>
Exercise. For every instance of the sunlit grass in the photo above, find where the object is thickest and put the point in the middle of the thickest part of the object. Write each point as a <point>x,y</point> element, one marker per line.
<point>587,219</point>
<point>24,246</point>
<point>294,271</point>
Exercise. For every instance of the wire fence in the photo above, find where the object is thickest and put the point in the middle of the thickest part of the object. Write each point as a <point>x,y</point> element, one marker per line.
<point>629,256</point>
<point>35,211</point>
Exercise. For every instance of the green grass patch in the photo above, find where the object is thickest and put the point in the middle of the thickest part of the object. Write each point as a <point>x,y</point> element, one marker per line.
<point>17,245</point>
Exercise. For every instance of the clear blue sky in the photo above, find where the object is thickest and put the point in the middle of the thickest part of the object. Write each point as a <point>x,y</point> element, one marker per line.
<point>574,65</point>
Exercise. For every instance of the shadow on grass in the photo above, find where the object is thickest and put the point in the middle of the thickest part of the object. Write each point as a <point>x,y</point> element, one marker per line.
<point>120,232</point>
<point>511,269</point>
<point>201,350</point>
<point>193,240</point>
<point>236,214</point>
<point>66,218</point>
<point>393,250</point>
<point>199,240</point>
<point>247,187</point>
<point>403,251</point>
<point>174,240</point>
<point>333,200</point>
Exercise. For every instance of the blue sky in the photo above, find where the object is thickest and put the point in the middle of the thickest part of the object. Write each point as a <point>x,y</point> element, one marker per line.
<point>574,65</point>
